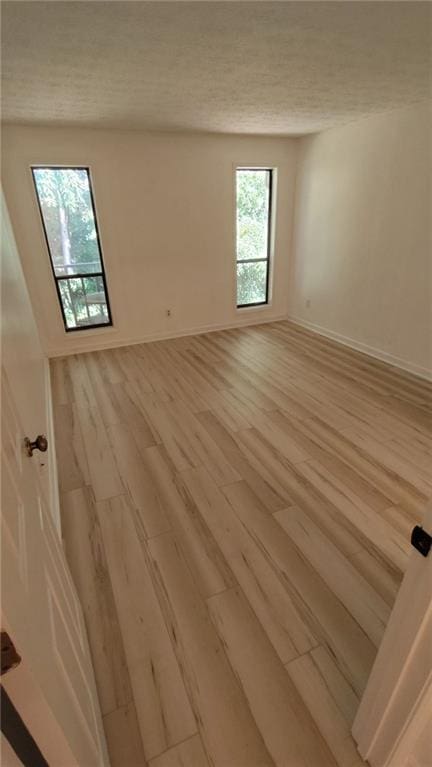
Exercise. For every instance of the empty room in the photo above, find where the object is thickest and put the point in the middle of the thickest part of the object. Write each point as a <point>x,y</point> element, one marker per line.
<point>216,348</point>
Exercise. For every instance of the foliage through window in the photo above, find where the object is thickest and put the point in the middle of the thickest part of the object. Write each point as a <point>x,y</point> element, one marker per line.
<point>69,221</point>
<point>253,226</point>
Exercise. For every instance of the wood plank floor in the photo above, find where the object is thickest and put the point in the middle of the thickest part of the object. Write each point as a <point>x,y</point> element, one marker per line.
<point>236,511</point>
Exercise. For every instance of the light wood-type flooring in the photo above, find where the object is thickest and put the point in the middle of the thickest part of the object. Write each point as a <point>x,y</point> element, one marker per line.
<point>236,512</point>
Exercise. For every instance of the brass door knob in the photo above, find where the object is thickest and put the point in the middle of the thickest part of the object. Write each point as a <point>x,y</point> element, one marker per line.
<point>40,443</point>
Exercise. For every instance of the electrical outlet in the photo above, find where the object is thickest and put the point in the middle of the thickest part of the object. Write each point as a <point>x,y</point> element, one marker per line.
<point>308,303</point>
<point>168,312</point>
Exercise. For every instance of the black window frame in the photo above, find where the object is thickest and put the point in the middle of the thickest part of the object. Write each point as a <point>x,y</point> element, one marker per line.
<point>78,275</point>
<point>267,259</point>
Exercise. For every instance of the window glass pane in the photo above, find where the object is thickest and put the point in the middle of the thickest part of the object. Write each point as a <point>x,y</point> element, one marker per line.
<point>252,213</point>
<point>84,301</point>
<point>67,211</point>
<point>68,216</point>
<point>251,283</point>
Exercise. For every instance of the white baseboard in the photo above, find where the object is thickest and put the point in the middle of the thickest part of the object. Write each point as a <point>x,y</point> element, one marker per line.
<point>359,346</point>
<point>98,342</point>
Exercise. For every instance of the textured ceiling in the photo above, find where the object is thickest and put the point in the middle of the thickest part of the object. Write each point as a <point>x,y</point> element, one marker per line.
<point>233,67</point>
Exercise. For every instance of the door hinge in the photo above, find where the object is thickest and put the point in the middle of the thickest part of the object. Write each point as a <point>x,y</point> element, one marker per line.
<point>9,656</point>
<point>421,540</point>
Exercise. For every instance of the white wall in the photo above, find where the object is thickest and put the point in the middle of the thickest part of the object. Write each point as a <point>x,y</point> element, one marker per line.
<point>165,202</point>
<point>165,206</point>
<point>362,242</point>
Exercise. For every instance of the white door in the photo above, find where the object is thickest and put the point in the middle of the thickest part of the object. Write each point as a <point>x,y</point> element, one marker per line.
<point>53,687</point>
<point>393,726</point>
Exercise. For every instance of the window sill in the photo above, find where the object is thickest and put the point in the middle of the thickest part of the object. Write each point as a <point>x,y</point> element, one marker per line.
<point>89,331</point>
<point>257,308</point>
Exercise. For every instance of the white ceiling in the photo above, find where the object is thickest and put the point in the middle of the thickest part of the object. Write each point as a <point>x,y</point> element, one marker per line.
<point>233,67</point>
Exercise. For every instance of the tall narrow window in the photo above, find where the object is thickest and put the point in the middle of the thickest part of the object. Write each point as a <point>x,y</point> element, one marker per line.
<point>253,234</point>
<point>69,221</point>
